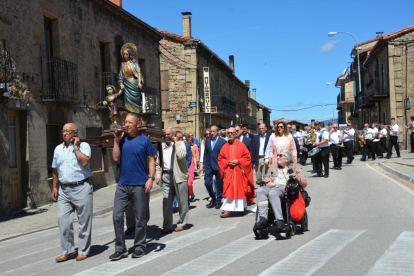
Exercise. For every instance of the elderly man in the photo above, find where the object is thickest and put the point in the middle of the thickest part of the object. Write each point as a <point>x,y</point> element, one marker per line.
<point>136,155</point>
<point>71,168</point>
<point>236,172</point>
<point>174,175</point>
<point>260,157</point>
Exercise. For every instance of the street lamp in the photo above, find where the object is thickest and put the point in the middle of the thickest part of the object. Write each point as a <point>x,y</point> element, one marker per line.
<point>333,112</point>
<point>331,34</point>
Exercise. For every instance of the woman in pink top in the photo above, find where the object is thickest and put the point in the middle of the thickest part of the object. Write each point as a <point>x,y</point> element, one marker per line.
<point>191,169</point>
<point>282,140</point>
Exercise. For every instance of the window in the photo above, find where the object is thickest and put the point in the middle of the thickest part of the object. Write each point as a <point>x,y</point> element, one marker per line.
<point>48,46</point>
<point>165,90</point>
<point>96,160</point>
<point>384,91</point>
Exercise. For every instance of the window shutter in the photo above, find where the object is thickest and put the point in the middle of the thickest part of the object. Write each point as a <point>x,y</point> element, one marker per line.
<point>165,93</point>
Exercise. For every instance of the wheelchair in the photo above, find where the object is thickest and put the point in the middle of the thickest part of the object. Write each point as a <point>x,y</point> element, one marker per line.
<point>290,226</point>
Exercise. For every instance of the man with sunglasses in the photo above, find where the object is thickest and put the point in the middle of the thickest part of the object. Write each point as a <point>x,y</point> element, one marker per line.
<point>322,157</point>
<point>71,169</point>
<point>348,135</point>
<point>334,139</point>
<point>369,139</point>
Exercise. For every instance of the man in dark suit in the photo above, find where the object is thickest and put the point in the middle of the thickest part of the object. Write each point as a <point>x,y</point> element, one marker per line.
<point>245,131</point>
<point>261,158</point>
<point>212,149</point>
<point>248,142</point>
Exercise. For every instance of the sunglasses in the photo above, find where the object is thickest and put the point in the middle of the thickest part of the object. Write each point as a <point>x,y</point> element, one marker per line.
<point>335,127</point>
<point>280,155</point>
<point>280,127</point>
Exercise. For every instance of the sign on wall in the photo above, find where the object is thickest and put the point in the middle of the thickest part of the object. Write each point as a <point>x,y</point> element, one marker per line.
<point>207,96</point>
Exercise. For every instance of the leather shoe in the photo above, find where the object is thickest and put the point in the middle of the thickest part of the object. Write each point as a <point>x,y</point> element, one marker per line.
<point>225,214</point>
<point>262,224</point>
<point>211,204</point>
<point>179,228</point>
<point>277,227</point>
<point>218,205</point>
<point>245,211</point>
<point>326,175</point>
<point>65,257</point>
<point>166,230</point>
<point>81,257</point>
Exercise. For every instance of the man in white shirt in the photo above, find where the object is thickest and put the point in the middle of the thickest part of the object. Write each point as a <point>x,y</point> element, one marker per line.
<point>261,156</point>
<point>394,130</point>
<point>348,135</point>
<point>307,144</point>
<point>383,134</point>
<point>322,156</point>
<point>203,146</point>
<point>369,146</point>
<point>376,139</point>
<point>334,137</point>
<point>410,128</point>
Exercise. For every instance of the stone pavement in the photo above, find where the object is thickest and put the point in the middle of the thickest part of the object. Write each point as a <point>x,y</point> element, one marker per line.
<point>401,167</point>
<point>30,221</point>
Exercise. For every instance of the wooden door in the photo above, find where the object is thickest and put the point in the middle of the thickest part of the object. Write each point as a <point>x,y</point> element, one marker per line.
<point>14,158</point>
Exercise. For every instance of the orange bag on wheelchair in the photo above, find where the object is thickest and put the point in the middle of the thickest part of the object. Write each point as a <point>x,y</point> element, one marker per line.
<point>297,208</point>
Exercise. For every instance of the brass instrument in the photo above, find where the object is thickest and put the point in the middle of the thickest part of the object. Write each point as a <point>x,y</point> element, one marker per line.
<point>312,136</point>
<point>341,145</point>
<point>362,141</point>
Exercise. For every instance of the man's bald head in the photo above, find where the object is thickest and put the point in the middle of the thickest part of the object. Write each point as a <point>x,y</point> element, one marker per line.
<point>231,133</point>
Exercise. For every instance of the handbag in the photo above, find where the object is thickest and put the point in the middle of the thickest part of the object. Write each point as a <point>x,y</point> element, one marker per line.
<point>305,197</point>
<point>297,208</point>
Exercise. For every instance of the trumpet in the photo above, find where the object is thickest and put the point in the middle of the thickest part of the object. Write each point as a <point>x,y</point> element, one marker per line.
<point>312,136</point>
<point>362,141</point>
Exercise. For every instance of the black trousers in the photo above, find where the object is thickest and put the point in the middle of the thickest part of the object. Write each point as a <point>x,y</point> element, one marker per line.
<point>383,145</point>
<point>412,141</point>
<point>305,154</point>
<point>368,148</point>
<point>322,157</point>
<point>349,147</point>
<point>393,142</point>
<point>336,155</point>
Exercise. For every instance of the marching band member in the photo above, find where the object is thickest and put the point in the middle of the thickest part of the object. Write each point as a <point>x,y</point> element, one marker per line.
<point>349,133</point>
<point>369,146</point>
<point>323,155</point>
<point>382,146</point>
<point>334,138</point>
<point>394,130</point>
<point>376,139</point>
<point>410,128</point>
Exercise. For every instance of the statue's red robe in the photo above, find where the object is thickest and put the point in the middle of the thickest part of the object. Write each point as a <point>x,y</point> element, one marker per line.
<point>238,181</point>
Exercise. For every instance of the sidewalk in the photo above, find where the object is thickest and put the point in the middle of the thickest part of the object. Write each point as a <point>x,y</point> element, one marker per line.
<point>31,221</point>
<point>401,167</point>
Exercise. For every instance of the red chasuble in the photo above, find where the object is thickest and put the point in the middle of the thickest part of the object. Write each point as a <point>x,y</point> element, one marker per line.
<point>238,181</point>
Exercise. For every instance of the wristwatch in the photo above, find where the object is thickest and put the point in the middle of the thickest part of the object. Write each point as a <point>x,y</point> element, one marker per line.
<point>152,177</point>
<point>75,149</point>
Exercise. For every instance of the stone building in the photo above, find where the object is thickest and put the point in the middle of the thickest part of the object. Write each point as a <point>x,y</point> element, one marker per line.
<point>387,80</point>
<point>259,112</point>
<point>63,53</point>
<point>195,80</point>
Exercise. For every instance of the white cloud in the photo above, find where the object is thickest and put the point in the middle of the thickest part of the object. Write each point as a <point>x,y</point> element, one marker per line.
<point>328,46</point>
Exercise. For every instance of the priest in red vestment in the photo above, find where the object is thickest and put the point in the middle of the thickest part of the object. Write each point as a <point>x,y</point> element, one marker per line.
<point>235,167</point>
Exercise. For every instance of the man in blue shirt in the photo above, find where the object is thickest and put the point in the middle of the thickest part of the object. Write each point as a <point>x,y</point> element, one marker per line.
<point>71,168</point>
<point>136,154</point>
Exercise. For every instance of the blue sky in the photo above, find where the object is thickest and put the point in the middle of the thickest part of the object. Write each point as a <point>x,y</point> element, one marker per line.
<point>282,47</point>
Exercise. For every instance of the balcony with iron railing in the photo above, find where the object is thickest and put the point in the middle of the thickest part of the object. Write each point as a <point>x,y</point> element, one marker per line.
<point>376,90</point>
<point>250,121</point>
<point>59,81</point>
<point>224,105</point>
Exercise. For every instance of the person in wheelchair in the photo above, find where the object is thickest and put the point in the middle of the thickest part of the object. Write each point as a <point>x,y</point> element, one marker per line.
<point>274,189</point>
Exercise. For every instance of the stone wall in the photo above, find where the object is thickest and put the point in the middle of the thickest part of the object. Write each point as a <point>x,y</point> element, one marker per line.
<point>78,27</point>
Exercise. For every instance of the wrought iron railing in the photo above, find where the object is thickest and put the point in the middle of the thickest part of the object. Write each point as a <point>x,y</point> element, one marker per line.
<point>250,121</point>
<point>6,68</point>
<point>223,104</point>
<point>60,81</point>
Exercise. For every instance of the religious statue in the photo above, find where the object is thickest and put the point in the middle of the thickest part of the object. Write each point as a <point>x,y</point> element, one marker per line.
<point>130,79</point>
<point>110,102</point>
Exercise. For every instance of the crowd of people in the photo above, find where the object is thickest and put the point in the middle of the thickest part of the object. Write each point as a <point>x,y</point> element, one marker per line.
<point>230,160</point>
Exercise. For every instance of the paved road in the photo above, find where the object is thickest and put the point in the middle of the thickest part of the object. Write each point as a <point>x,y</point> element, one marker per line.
<point>360,221</point>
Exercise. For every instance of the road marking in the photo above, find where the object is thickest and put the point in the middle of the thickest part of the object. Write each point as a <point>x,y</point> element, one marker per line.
<point>219,258</point>
<point>398,259</point>
<point>113,268</point>
<point>17,255</point>
<point>411,192</point>
<point>310,257</point>
<point>37,235</point>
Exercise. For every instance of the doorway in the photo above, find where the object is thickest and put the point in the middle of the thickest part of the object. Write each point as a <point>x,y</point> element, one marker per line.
<point>14,154</point>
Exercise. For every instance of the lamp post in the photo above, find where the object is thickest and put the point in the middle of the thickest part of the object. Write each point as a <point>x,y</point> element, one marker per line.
<point>333,112</point>
<point>331,34</point>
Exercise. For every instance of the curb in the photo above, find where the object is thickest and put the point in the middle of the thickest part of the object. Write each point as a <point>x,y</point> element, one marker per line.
<point>94,214</point>
<point>393,171</point>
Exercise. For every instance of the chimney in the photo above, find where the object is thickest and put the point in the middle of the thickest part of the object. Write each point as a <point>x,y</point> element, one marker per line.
<point>117,2</point>
<point>231,62</point>
<point>186,24</point>
<point>247,83</point>
<point>254,93</point>
<point>379,34</point>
